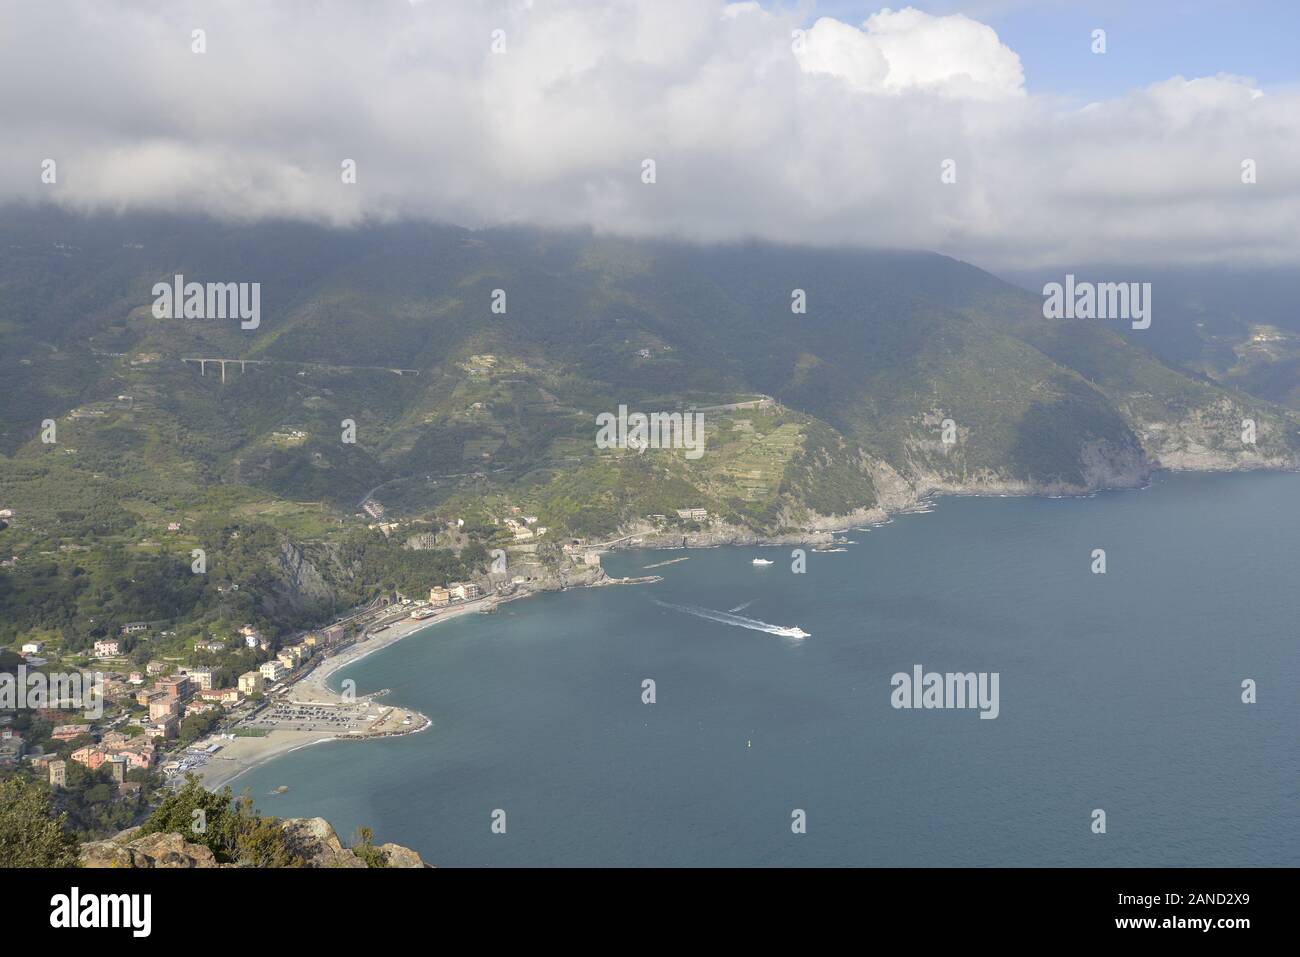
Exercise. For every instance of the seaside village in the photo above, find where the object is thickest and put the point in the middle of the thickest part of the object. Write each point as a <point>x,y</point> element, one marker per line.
<point>168,712</point>
<point>172,716</point>
<point>147,711</point>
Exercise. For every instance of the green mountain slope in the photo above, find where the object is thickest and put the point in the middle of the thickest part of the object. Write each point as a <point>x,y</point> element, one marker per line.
<point>890,346</point>
<point>908,373</point>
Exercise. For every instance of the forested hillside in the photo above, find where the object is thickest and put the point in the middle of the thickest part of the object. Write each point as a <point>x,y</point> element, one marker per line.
<point>907,373</point>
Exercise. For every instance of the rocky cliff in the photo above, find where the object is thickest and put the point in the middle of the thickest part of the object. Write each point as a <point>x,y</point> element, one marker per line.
<point>311,839</point>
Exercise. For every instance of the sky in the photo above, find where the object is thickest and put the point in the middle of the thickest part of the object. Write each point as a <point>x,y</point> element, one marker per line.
<point>1152,40</point>
<point>990,130</point>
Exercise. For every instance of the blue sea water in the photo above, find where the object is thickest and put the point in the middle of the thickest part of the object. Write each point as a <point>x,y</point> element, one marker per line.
<point>1120,692</point>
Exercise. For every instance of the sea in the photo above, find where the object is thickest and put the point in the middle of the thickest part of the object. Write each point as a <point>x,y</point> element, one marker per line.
<point>1146,715</point>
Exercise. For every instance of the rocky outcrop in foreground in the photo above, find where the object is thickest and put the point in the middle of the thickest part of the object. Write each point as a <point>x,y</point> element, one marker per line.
<point>310,838</point>
<point>314,840</point>
<point>151,850</point>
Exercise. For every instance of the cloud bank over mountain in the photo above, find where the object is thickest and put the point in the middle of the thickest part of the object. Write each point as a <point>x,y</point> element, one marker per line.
<point>759,125</point>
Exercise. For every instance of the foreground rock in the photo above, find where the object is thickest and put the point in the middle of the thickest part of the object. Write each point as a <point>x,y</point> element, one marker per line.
<point>312,839</point>
<point>150,850</point>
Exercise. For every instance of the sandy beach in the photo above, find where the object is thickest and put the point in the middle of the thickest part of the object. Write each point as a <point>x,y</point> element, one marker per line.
<point>242,753</point>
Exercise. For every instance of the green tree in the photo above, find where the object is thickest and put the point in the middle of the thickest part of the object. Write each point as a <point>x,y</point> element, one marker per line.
<point>364,847</point>
<point>230,828</point>
<point>198,815</point>
<point>31,833</point>
<point>195,726</point>
<point>261,840</point>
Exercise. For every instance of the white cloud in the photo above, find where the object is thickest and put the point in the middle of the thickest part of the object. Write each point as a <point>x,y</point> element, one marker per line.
<point>839,143</point>
<point>906,50</point>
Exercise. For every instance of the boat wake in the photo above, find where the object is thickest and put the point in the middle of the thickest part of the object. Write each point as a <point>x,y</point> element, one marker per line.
<point>742,606</point>
<point>738,621</point>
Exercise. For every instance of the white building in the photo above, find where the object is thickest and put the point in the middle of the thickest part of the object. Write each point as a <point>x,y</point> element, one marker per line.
<point>273,670</point>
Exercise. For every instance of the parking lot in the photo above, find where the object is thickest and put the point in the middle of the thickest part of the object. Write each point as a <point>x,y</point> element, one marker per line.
<point>291,716</point>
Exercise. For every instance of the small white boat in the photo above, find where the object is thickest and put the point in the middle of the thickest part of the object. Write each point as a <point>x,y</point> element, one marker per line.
<point>761,561</point>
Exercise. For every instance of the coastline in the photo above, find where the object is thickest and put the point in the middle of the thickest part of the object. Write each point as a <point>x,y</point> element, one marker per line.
<point>501,734</point>
<point>245,753</point>
<point>242,754</point>
<point>899,498</point>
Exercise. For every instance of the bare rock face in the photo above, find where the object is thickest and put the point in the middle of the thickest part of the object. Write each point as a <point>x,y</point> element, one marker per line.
<point>315,842</point>
<point>312,839</point>
<point>172,850</point>
<point>300,583</point>
<point>152,850</point>
<point>398,856</point>
<point>108,854</point>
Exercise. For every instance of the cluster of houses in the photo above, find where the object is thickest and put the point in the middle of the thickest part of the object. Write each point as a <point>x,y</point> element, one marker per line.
<point>253,638</point>
<point>173,696</point>
<point>685,514</point>
<point>455,591</point>
<point>112,647</point>
<point>270,671</point>
<point>115,750</point>
<point>523,529</point>
<point>11,747</point>
<point>118,752</point>
<point>190,690</point>
<point>170,697</point>
<point>285,662</point>
<point>169,692</point>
